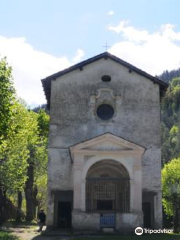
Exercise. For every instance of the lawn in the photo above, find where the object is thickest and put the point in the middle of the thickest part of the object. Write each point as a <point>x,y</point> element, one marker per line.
<point>133,237</point>
<point>7,236</point>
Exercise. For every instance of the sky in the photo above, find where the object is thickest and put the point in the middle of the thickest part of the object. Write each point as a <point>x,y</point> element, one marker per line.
<point>42,37</point>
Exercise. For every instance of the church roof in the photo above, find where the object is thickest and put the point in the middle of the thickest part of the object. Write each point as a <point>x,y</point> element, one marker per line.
<point>46,82</point>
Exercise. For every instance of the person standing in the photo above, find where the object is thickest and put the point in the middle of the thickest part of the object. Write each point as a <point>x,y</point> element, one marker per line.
<point>41,220</point>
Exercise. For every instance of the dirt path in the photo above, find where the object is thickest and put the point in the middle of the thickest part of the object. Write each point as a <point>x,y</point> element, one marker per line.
<point>30,233</point>
<point>26,233</point>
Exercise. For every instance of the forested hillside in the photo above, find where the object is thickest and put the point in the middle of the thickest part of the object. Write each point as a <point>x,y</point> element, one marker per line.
<point>170,121</point>
<point>170,134</point>
<point>167,76</point>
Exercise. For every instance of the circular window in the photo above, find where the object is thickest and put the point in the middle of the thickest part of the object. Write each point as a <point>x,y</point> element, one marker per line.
<point>105,112</point>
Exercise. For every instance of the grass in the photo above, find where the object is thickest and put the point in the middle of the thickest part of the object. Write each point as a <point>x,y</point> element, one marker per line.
<point>7,236</point>
<point>133,237</point>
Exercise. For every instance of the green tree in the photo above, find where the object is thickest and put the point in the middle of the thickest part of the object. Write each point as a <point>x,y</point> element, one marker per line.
<point>42,156</point>
<point>171,190</point>
<point>13,170</point>
<point>23,149</point>
<point>7,98</point>
<point>35,188</point>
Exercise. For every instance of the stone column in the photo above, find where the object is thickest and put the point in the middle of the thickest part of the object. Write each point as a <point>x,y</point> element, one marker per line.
<point>158,210</point>
<point>138,192</point>
<point>137,188</point>
<point>50,211</point>
<point>132,195</point>
<point>77,182</point>
<point>77,188</point>
<point>83,195</point>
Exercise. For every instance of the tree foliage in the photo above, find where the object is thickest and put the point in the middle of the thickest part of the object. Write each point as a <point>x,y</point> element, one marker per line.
<point>13,168</point>
<point>170,116</point>
<point>7,98</point>
<point>171,185</point>
<point>37,164</point>
<point>167,76</point>
<point>23,145</point>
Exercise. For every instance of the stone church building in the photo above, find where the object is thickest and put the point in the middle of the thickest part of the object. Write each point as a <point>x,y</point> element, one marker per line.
<point>104,146</point>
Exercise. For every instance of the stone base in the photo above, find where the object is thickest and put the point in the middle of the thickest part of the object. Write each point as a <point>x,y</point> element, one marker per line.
<point>125,222</point>
<point>108,230</point>
<point>128,221</point>
<point>85,221</point>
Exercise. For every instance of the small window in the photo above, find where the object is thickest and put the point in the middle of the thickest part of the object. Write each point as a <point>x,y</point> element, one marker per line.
<point>105,112</point>
<point>106,78</point>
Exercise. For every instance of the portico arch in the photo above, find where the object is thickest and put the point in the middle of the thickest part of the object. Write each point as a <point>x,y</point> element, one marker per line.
<point>107,187</point>
<point>116,159</point>
<point>107,168</point>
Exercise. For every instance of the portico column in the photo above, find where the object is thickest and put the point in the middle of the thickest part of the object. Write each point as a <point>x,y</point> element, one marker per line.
<point>137,188</point>
<point>77,183</point>
<point>83,195</point>
<point>132,195</point>
<point>50,210</point>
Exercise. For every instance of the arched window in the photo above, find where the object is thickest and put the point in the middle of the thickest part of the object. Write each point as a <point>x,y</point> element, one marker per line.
<point>107,187</point>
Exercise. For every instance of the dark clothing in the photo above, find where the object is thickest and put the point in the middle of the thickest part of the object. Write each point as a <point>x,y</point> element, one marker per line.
<point>42,217</point>
<point>42,220</point>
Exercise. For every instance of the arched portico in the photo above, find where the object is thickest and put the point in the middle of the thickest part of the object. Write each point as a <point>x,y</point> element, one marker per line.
<point>120,163</point>
<point>107,188</point>
<point>103,167</point>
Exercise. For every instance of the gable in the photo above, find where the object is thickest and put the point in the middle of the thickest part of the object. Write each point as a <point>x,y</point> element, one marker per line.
<point>47,81</point>
<point>106,143</point>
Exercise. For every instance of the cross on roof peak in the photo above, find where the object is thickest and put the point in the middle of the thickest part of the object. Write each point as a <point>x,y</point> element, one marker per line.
<point>106,46</point>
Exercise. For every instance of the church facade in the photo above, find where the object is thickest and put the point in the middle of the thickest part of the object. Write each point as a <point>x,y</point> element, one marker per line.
<point>104,166</point>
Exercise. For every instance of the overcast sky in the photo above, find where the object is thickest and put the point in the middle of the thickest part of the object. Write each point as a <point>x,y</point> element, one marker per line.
<point>41,37</point>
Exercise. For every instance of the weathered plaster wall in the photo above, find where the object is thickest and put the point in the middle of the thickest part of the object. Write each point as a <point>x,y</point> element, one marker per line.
<point>137,118</point>
<point>152,169</point>
<point>60,169</point>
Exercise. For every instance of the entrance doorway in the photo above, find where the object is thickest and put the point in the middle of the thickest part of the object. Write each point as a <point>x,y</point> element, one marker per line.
<point>148,199</point>
<point>146,207</point>
<point>64,215</point>
<point>63,206</point>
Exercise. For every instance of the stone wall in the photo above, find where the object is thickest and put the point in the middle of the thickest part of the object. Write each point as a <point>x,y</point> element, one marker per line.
<point>136,117</point>
<point>91,221</point>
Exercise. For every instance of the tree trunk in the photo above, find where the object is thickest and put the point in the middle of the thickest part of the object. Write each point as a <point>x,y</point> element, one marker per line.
<point>2,205</point>
<point>35,192</point>
<point>29,193</point>
<point>176,220</point>
<point>18,216</point>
